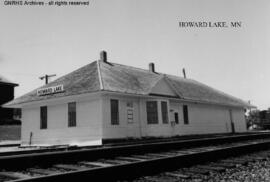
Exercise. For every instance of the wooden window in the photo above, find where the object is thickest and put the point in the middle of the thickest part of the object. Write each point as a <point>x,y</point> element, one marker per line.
<point>176,118</point>
<point>71,114</point>
<point>164,112</point>
<point>185,114</point>
<point>43,117</point>
<point>114,112</point>
<point>152,112</point>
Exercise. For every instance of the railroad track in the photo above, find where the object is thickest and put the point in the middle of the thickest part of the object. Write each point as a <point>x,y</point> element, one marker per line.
<point>17,150</point>
<point>125,162</point>
<point>112,143</point>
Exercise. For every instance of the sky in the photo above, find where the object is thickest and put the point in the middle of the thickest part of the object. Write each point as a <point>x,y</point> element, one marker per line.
<point>38,40</point>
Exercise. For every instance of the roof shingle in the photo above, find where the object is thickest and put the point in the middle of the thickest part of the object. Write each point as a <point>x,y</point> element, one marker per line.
<point>126,79</point>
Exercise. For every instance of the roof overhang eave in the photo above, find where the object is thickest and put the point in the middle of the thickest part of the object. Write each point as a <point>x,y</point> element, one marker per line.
<point>180,99</point>
<point>11,84</point>
<point>11,105</point>
<point>56,99</point>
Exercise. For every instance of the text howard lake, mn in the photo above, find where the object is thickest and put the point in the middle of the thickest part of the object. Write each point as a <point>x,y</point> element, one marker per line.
<point>209,24</point>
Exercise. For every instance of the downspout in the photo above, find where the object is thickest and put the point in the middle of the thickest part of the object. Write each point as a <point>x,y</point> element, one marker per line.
<point>140,117</point>
<point>30,138</point>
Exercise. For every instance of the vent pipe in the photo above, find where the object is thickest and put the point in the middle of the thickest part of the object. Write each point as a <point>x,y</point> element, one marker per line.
<point>103,56</point>
<point>184,73</point>
<point>152,67</point>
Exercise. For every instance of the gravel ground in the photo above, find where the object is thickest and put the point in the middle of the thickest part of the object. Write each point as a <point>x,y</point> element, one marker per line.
<point>255,172</point>
<point>258,171</point>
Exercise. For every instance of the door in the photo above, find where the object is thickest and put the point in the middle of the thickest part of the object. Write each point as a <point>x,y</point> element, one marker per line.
<point>231,120</point>
<point>176,118</point>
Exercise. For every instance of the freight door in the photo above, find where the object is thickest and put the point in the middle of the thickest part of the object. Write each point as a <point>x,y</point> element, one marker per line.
<point>231,120</point>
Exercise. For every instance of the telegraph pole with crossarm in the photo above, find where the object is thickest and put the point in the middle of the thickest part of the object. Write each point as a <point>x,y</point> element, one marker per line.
<point>46,78</point>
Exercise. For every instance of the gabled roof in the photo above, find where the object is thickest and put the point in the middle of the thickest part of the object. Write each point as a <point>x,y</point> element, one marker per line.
<point>5,81</point>
<point>80,81</point>
<point>100,75</point>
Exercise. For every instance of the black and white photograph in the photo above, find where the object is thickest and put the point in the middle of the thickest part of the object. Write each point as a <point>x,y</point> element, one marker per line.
<point>135,90</point>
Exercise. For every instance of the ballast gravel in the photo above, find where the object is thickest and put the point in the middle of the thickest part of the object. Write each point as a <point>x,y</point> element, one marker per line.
<point>258,171</point>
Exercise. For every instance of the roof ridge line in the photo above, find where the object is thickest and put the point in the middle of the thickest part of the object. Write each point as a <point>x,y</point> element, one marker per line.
<point>99,75</point>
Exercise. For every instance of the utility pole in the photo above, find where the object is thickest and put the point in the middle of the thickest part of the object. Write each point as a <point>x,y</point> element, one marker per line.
<point>184,73</point>
<point>46,77</point>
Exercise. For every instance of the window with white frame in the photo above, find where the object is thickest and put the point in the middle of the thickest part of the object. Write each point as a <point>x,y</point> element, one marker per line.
<point>43,117</point>
<point>72,114</point>
<point>164,112</point>
<point>152,112</point>
<point>114,112</point>
<point>185,114</point>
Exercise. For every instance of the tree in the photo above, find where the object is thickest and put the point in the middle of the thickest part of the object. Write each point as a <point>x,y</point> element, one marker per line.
<point>253,117</point>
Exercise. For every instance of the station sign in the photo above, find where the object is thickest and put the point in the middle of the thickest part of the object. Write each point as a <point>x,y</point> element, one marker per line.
<point>50,90</point>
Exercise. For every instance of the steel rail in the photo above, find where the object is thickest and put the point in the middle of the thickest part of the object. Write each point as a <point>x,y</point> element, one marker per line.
<point>151,166</point>
<point>47,158</point>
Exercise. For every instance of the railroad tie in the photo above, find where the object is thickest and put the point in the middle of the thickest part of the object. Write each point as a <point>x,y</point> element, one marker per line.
<point>159,179</point>
<point>257,158</point>
<point>211,168</point>
<point>195,150</point>
<point>97,164</point>
<point>178,175</point>
<point>197,171</point>
<point>115,161</point>
<point>249,159</point>
<point>265,155</point>
<point>158,155</point>
<point>235,161</point>
<point>172,153</point>
<point>225,165</point>
<point>187,152</point>
<point>142,157</point>
<point>14,175</point>
<point>130,159</point>
<point>178,153</point>
<point>209,149</point>
<point>42,171</point>
<point>69,167</point>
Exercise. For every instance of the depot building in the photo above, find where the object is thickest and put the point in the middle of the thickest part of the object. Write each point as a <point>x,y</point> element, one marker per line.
<point>105,100</point>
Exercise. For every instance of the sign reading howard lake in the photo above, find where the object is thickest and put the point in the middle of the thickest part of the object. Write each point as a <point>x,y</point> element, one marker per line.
<point>50,90</point>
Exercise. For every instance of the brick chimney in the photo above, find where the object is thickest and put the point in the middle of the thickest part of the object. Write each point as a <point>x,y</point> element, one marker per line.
<point>184,73</point>
<point>103,56</point>
<point>152,67</point>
